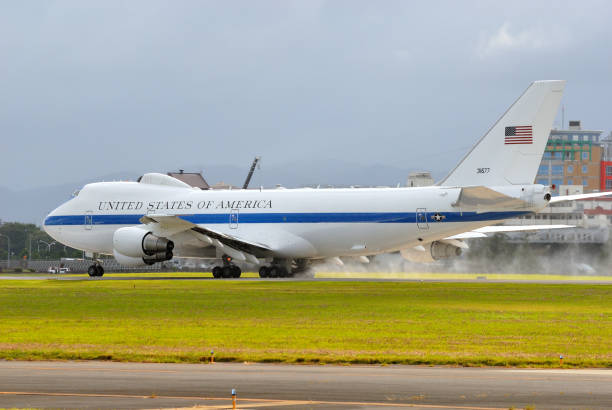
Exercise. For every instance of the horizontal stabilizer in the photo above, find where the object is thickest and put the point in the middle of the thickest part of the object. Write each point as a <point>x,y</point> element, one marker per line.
<point>476,198</point>
<point>578,196</point>
<point>518,228</point>
<point>482,232</point>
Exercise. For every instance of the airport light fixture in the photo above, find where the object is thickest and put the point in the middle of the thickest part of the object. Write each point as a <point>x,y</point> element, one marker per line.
<point>49,245</point>
<point>27,238</point>
<point>8,251</point>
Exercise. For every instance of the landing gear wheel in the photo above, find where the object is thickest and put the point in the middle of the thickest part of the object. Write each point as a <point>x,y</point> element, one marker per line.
<point>227,272</point>
<point>275,271</point>
<point>236,271</point>
<point>95,270</point>
<point>217,272</point>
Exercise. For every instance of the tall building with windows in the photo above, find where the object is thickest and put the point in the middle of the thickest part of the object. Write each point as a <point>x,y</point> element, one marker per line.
<point>606,176</point>
<point>606,164</point>
<point>572,161</point>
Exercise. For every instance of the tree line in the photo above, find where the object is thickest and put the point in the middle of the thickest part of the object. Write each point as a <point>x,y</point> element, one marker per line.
<point>28,241</point>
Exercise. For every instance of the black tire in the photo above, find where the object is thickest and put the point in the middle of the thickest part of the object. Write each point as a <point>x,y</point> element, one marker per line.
<point>217,272</point>
<point>99,271</point>
<point>264,272</point>
<point>227,272</point>
<point>236,271</point>
<point>273,272</point>
<point>92,271</point>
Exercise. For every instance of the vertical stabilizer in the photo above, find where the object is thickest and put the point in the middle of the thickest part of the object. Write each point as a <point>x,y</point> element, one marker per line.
<point>511,151</point>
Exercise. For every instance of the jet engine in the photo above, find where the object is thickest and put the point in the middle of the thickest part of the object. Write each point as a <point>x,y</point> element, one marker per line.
<point>432,252</point>
<point>135,246</point>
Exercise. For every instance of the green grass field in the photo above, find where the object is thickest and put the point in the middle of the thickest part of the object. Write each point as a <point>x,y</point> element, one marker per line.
<point>308,322</point>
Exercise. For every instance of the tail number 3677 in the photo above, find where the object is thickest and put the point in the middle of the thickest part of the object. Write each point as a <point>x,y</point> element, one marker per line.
<point>483,170</point>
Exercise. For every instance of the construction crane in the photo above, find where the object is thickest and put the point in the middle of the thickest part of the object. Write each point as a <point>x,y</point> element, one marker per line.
<point>248,178</point>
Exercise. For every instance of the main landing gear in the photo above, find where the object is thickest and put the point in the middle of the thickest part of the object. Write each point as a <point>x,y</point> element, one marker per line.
<point>95,270</point>
<point>228,270</point>
<point>274,271</point>
<point>279,268</point>
<point>283,268</point>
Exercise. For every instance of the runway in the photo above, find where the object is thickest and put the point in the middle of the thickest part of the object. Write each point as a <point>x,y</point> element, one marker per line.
<point>325,277</point>
<point>152,385</point>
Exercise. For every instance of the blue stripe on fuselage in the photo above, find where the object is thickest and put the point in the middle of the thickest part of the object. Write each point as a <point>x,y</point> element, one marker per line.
<point>250,218</point>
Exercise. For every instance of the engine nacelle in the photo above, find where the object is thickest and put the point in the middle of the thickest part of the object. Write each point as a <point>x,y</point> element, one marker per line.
<point>127,260</point>
<point>133,243</point>
<point>433,251</point>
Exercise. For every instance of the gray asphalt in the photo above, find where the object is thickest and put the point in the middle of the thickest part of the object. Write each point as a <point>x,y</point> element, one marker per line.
<point>153,385</point>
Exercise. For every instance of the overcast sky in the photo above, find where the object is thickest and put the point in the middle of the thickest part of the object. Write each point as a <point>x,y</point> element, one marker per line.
<point>89,88</point>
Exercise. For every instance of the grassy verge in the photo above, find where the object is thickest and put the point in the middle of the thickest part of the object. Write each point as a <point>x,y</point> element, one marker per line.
<point>468,324</point>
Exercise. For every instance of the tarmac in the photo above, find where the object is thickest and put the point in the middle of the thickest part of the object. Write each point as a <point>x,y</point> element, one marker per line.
<point>480,279</point>
<point>270,386</point>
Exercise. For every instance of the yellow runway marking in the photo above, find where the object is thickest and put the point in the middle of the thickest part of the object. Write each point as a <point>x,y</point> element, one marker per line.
<point>251,402</point>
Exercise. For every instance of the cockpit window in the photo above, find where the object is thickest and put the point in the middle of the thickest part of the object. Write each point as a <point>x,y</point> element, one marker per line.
<point>76,193</point>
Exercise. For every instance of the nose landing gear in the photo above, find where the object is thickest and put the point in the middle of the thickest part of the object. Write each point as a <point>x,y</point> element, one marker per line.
<point>95,270</point>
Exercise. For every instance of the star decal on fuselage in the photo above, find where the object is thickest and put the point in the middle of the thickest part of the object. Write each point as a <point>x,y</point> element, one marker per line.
<point>438,217</point>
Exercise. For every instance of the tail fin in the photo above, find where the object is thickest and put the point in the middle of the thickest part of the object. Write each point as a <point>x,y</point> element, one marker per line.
<point>510,153</point>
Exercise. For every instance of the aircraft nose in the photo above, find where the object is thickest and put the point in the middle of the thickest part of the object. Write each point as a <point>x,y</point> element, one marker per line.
<point>48,220</point>
<point>51,223</point>
<point>44,222</point>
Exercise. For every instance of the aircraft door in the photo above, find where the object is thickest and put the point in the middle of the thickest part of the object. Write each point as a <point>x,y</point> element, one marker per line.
<point>88,220</point>
<point>421,218</point>
<point>233,219</point>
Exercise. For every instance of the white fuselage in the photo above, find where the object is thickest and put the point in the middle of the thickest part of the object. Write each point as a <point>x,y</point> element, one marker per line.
<point>295,223</point>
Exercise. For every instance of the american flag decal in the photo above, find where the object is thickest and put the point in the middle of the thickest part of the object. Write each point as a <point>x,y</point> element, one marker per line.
<point>522,134</point>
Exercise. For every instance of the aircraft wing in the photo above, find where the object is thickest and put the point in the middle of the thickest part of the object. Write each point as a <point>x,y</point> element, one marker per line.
<point>166,225</point>
<point>237,248</point>
<point>482,232</point>
<point>578,196</point>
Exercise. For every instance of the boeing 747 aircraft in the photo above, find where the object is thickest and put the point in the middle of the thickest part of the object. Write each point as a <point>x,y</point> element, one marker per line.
<point>283,230</point>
